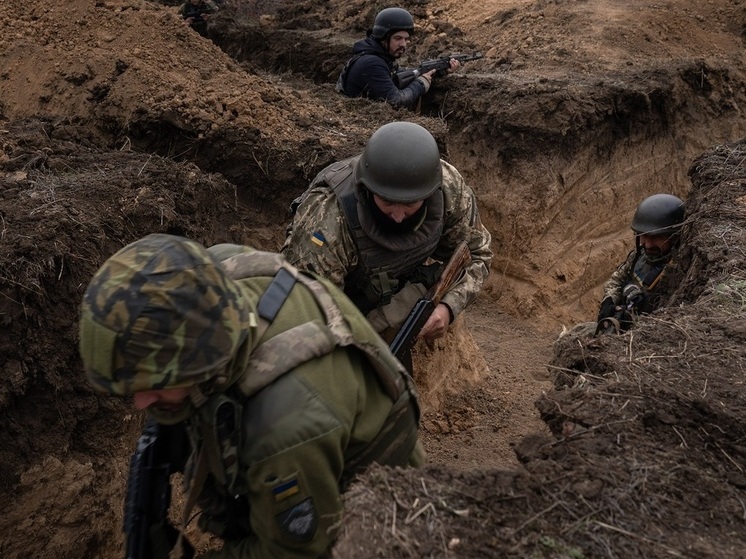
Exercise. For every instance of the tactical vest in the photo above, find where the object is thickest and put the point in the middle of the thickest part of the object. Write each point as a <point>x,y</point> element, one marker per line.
<point>384,259</point>
<point>270,360</point>
<point>341,85</point>
<point>648,276</point>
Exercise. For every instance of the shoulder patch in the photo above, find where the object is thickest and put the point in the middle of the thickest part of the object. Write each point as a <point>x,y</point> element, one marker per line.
<point>300,521</point>
<point>318,239</point>
<point>285,490</point>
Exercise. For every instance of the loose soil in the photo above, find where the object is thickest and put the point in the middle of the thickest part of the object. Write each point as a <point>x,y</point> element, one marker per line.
<point>117,120</point>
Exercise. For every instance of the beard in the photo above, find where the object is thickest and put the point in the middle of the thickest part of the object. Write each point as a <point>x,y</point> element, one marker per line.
<point>390,226</point>
<point>655,255</point>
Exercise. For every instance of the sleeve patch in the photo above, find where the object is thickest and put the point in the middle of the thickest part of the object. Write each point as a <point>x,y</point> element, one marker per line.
<point>318,239</point>
<point>300,521</point>
<point>285,490</point>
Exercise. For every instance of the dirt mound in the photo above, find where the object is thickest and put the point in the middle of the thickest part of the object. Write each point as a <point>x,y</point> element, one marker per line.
<point>647,458</point>
<point>117,121</point>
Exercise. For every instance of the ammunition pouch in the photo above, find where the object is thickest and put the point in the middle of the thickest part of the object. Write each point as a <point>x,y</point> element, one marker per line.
<point>379,289</point>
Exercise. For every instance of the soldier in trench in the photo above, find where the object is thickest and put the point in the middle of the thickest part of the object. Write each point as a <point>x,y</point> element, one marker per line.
<point>195,13</point>
<point>637,285</point>
<point>282,386</point>
<point>370,72</point>
<point>380,224</point>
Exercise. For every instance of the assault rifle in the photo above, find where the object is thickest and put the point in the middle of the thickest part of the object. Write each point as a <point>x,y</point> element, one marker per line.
<point>159,453</point>
<point>623,315</point>
<point>404,77</point>
<point>407,335</point>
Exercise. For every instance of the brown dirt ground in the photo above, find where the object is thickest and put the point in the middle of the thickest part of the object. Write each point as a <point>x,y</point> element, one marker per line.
<point>117,121</point>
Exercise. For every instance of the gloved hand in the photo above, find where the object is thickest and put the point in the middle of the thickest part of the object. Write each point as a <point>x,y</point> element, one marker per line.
<point>608,308</point>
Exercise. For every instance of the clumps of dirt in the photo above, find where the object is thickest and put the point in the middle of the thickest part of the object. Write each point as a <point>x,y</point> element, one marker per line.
<point>649,442</point>
<point>66,207</point>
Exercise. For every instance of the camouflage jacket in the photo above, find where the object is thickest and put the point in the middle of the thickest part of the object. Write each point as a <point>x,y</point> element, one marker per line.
<point>280,451</point>
<point>653,278</point>
<point>320,238</point>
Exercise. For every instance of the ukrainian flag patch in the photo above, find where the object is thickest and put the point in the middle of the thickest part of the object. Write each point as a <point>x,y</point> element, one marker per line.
<point>285,490</point>
<point>318,239</point>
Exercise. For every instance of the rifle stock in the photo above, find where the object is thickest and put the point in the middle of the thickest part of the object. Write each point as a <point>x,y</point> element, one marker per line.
<point>407,335</point>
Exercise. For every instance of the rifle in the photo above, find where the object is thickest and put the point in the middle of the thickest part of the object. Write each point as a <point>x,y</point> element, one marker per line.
<point>623,315</point>
<point>407,335</point>
<point>403,78</point>
<point>159,453</point>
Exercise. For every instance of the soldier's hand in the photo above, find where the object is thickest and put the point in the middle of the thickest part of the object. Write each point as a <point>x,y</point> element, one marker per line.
<point>437,325</point>
<point>455,65</point>
<point>429,75</point>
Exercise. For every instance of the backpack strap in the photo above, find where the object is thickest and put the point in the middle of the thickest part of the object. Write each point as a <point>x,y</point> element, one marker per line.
<point>281,353</point>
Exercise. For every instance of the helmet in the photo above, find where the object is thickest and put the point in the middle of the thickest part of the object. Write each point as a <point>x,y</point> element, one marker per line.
<point>160,313</point>
<point>400,163</point>
<point>659,214</point>
<point>389,21</point>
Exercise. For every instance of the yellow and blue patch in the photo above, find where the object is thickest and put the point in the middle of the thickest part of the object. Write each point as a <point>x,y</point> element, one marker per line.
<point>318,239</point>
<point>285,490</point>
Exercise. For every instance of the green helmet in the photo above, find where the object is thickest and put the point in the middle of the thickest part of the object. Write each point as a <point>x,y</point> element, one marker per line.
<point>160,313</point>
<point>391,20</point>
<point>400,163</point>
<point>659,214</point>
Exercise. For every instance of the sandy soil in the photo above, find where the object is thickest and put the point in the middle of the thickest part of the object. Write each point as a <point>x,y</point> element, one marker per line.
<point>116,120</point>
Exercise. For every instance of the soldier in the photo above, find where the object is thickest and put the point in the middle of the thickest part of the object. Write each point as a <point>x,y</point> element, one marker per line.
<point>373,223</point>
<point>196,13</point>
<point>282,385</point>
<point>370,72</point>
<point>636,285</point>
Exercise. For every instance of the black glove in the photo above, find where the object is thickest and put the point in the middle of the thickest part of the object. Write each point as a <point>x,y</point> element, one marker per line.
<point>608,308</point>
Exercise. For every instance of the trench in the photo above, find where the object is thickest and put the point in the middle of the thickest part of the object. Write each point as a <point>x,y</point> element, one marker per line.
<point>556,185</point>
<point>558,175</point>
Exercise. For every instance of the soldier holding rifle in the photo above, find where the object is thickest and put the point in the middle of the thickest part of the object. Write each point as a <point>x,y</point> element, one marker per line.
<point>372,69</point>
<point>380,224</point>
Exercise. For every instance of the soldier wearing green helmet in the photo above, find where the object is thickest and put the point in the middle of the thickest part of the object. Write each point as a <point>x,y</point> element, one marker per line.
<point>638,283</point>
<point>284,389</point>
<point>373,223</point>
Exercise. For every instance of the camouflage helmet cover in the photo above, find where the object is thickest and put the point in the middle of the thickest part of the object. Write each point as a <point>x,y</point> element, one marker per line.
<point>160,313</point>
<point>400,163</point>
<point>659,214</point>
<point>391,20</point>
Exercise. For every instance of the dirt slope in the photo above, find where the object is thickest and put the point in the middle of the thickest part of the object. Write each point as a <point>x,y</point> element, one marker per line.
<point>117,121</point>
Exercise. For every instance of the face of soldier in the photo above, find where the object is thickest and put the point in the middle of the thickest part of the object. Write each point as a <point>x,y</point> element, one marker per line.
<point>167,399</point>
<point>398,43</point>
<point>656,246</point>
<point>397,211</point>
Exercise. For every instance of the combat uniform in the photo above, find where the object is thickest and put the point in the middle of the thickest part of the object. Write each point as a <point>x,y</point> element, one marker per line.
<point>369,73</point>
<point>295,392</point>
<point>652,277</point>
<point>333,234</point>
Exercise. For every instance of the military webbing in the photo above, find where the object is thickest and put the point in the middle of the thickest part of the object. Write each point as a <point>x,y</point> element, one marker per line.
<point>275,295</point>
<point>270,360</point>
